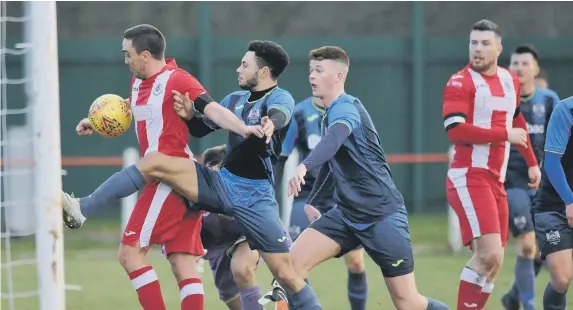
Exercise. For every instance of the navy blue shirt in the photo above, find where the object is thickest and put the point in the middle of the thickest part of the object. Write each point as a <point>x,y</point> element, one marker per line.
<point>304,134</point>
<point>364,189</point>
<point>252,158</point>
<point>558,141</point>
<point>536,110</point>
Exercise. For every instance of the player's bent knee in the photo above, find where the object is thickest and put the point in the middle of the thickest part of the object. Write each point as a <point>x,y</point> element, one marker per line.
<point>131,258</point>
<point>183,266</point>
<point>355,261</point>
<point>490,260</point>
<point>561,282</point>
<point>527,246</point>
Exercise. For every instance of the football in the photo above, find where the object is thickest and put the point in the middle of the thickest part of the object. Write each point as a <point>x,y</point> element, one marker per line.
<point>110,115</point>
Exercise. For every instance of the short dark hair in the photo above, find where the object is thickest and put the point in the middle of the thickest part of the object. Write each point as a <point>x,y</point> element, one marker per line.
<point>487,25</point>
<point>270,54</point>
<point>527,49</point>
<point>146,38</point>
<point>215,155</point>
<point>329,53</point>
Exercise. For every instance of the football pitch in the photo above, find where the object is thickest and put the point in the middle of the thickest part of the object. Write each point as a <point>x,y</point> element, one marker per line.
<point>90,264</point>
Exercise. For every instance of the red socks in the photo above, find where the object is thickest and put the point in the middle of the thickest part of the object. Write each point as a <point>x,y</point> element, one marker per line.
<point>191,293</point>
<point>146,284</point>
<point>470,290</point>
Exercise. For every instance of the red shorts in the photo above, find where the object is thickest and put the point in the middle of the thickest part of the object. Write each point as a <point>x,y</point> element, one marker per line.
<point>160,216</point>
<point>480,203</point>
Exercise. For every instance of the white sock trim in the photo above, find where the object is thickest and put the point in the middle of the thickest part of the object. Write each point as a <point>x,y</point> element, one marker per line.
<point>473,277</point>
<point>488,288</point>
<point>144,279</point>
<point>191,289</point>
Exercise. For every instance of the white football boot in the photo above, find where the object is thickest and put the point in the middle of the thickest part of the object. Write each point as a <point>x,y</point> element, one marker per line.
<point>73,217</point>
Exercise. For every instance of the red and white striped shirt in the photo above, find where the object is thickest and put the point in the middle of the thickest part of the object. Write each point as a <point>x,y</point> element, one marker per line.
<point>158,127</point>
<point>478,111</point>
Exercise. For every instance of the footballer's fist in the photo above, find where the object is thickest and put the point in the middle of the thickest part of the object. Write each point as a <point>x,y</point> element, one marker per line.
<point>84,128</point>
<point>517,136</point>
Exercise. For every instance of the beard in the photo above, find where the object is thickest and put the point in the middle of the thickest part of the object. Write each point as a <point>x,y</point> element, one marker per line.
<point>251,83</point>
<point>483,67</point>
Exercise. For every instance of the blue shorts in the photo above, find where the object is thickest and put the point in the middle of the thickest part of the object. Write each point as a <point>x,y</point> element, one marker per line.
<point>519,202</point>
<point>251,202</point>
<point>553,232</point>
<point>387,241</point>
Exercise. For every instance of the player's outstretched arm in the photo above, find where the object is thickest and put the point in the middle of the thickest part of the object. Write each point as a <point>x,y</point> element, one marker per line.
<point>557,138</point>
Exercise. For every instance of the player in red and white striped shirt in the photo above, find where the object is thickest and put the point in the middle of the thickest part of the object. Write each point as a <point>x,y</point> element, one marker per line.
<point>160,215</point>
<point>481,117</point>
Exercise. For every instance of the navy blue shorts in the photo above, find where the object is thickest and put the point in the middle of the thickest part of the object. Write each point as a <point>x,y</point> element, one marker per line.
<point>251,203</point>
<point>387,241</point>
<point>519,202</point>
<point>553,232</point>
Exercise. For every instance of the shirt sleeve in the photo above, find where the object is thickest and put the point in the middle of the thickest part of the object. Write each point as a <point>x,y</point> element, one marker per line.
<point>283,102</point>
<point>559,129</point>
<point>456,102</point>
<point>344,113</point>
<point>186,83</point>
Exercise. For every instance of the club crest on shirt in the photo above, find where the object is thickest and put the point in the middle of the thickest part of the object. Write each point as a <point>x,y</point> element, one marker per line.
<point>254,116</point>
<point>538,110</point>
<point>158,89</point>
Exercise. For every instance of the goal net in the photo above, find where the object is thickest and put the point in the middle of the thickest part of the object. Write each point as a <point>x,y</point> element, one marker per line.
<point>31,245</point>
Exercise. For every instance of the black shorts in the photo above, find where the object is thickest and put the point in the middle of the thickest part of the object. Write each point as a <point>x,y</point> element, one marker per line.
<point>553,232</point>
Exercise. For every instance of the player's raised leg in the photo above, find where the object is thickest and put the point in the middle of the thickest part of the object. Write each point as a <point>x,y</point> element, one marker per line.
<point>243,266</point>
<point>176,171</point>
<point>357,284</point>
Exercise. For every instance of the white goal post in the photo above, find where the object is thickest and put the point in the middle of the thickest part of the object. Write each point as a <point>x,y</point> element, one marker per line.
<point>44,99</point>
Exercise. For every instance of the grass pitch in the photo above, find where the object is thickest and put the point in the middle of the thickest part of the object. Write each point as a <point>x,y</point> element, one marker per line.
<point>90,262</point>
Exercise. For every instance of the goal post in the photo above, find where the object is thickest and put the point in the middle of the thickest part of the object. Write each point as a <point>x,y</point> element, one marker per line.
<point>44,100</point>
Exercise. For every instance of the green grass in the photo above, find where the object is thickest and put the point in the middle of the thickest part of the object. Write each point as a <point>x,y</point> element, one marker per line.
<point>90,262</point>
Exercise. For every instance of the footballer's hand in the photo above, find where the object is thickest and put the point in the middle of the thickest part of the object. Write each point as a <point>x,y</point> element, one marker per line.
<point>517,136</point>
<point>569,212</point>
<point>268,128</point>
<point>253,131</point>
<point>311,213</point>
<point>183,105</point>
<point>534,177</point>
<point>84,128</point>
<point>294,185</point>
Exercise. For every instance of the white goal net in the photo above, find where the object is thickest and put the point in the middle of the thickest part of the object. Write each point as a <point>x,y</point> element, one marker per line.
<point>31,245</point>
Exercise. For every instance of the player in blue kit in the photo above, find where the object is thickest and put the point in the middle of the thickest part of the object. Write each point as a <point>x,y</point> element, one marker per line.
<point>369,210</point>
<point>304,135</point>
<point>536,107</point>
<point>553,206</point>
<point>231,261</point>
<point>244,187</point>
